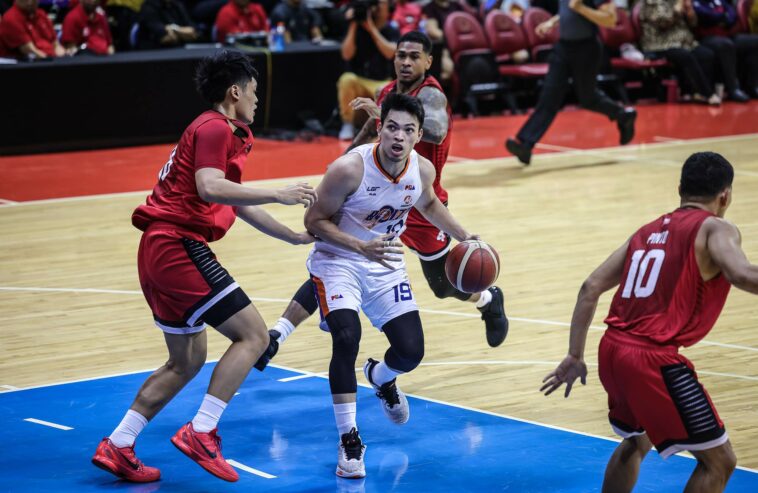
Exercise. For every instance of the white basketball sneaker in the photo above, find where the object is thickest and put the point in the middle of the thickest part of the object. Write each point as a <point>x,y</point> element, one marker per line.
<point>394,403</point>
<point>350,456</point>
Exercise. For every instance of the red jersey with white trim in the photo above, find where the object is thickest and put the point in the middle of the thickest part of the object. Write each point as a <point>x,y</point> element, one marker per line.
<point>207,143</point>
<point>662,296</point>
<point>436,153</point>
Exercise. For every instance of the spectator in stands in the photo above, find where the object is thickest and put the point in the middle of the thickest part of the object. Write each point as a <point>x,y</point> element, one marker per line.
<point>436,13</point>
<point>164,23</point>
<point>26,31</point>
<point>123,15</point>
<point>666,34</point>
<point>240,16</point>
<point>368,48</point>
<point>715,20</point>
<point>300,22</point>
<point>407,16</point>
<point>86,28</point>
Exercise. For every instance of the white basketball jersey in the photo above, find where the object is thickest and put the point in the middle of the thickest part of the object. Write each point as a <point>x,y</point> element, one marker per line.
<point>380,205</point>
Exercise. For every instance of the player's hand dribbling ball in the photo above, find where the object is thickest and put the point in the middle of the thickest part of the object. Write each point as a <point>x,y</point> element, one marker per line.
<point>472,266</point>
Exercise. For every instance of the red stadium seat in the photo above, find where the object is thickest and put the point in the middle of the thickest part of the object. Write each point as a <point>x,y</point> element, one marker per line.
<point>506,37</point>
<point>533,17</point>
<point>464,34</point>
<point>623,32</point>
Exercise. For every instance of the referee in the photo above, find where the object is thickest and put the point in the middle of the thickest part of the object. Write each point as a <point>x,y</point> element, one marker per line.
<point>576,56</point>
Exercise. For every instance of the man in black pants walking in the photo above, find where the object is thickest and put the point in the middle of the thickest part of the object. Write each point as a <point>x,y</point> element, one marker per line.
<point>576,56</point>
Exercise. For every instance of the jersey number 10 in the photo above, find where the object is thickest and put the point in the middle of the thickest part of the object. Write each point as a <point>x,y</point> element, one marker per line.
<point>638,270</point>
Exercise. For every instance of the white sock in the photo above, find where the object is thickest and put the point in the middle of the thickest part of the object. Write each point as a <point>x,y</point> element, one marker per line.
<point>208,415</point>
<point>127,430</point>
<point>344,415</point>
<point>382,373</point>
<point>484,298</point>
<point>284,327</point>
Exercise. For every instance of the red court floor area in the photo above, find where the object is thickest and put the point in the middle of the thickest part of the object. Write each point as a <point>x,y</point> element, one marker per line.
<point>43,176</point>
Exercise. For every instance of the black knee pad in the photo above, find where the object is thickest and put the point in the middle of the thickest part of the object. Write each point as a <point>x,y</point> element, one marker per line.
<point>345,328</point>
<point>406,338</point>
<point>306,296</point>
<point>434,271</point>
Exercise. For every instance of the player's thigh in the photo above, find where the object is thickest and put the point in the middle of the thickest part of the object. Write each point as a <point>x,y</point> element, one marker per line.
<point>246,324</point>
<point>187,350</point>
<point>338,283</point>
<point>387,294</point>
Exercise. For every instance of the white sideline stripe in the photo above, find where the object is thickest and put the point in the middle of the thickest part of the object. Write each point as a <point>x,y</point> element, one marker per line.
<point>7,201</point>
<point>48,423</point>
<point>287,368</point>
<point>704,342</point>
<point>661,138</point>
<point>299,377</point>
<point>9,387</point>
<point>249,469</point>
<point>469,162</point>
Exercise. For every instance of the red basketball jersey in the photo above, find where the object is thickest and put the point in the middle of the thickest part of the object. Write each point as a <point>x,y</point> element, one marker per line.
<point>436,153</point>
<point>662,296</point>
<point>207,143</point>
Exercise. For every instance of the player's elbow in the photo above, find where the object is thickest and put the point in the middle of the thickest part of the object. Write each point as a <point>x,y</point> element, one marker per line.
<point>591,289</point>
<point>208,190</point>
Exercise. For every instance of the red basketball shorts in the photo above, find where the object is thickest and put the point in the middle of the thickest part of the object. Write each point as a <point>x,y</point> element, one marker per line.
<point>653,389</point>
<point>184,284</point>
<point>425,239</point>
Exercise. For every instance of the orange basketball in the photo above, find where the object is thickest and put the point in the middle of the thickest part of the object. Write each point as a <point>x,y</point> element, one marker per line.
<point>472,266</point>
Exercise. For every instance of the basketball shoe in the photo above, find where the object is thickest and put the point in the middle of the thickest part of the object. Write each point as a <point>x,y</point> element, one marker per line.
<point>270,352</point>
<point>519,149</point>
<point>205,449</point>
<point>123,463</point>
<point>625,123</point>
<point>394,403</point>
<point>350,456</point>
<point>495,321</point>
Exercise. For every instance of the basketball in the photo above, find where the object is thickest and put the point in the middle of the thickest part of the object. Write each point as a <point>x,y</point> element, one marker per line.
<point>472,266</point>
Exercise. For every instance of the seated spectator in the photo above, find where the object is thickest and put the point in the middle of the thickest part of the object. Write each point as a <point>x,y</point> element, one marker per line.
<point>715,20</point>
<point>666,34</point>
<point>368,48</point>
<point>164,23</point>
<point>407,16</point>
<point>122,16</point>
<point>240,16</point>
<point>86,28</point>
<point>436,13</point>
<point>300,22</point>
<point>26,31</point>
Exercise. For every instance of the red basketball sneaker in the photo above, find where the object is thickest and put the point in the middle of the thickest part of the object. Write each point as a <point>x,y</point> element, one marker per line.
<point>205,449</point>
<point>123,463</point>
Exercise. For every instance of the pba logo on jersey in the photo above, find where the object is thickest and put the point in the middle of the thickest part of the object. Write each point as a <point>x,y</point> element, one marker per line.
<point>386,213</point>
<point>410,187</point>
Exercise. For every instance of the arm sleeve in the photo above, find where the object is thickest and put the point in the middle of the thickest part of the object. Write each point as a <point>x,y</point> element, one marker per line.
<point>152,22</point>
<point>14,35</point>
<point>212,144</point>
<point>71,32</point>
<point>184,18</point>
<point>315,19</point>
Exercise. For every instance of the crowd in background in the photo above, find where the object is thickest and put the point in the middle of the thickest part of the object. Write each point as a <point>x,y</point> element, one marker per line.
<point>698,37</point>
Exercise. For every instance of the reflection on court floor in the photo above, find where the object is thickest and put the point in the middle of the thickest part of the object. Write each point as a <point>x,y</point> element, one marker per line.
<point>281,437</point>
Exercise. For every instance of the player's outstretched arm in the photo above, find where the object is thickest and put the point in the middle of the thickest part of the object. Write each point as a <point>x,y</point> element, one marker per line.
<point>605,277</point>
<point>264,222</point>
<point>436,121</point>
<point>212,186</point>
<point>725,248</point>
<point>435,211</point>
<point>342,179</point>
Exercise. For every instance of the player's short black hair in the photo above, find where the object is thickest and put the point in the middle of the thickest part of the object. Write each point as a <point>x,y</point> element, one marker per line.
<point>417,37</point>
<point>403,102</point>
<point>705,175</point>
<point>216,73</point>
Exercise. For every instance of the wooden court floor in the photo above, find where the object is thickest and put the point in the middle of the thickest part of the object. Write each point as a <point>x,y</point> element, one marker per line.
<point>71,306</point>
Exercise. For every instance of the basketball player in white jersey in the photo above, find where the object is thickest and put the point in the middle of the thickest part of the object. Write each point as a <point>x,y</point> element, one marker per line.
<point>364,200</point>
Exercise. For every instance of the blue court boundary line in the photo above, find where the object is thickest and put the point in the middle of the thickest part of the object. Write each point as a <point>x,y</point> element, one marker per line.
<point>423,398</point>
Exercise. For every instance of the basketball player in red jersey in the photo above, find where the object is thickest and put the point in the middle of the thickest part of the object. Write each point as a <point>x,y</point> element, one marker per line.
<point>674,276</point>
<point>412,61</point>
<point>196,200</point>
